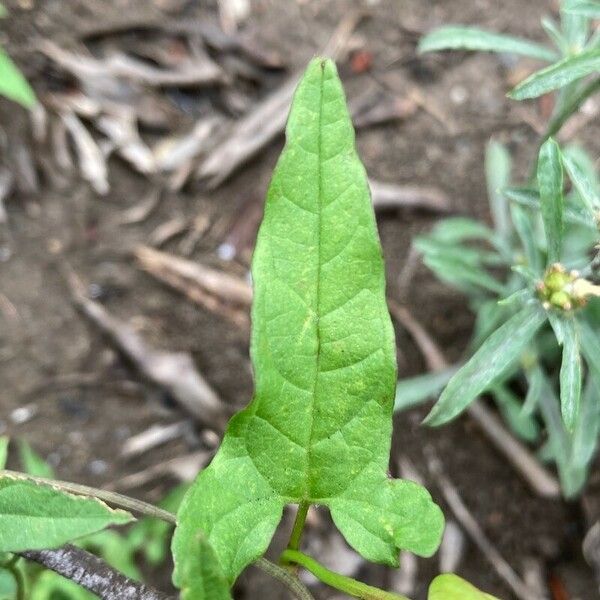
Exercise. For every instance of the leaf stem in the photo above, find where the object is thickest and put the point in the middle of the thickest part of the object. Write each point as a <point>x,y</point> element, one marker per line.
<point>18,576</point>
<point>349,586</point>
<point>296,535</point>
<point>108,497</point>
<point>284,576</point>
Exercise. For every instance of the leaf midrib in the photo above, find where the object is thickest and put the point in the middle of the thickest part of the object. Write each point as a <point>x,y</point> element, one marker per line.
<point>309,486</point>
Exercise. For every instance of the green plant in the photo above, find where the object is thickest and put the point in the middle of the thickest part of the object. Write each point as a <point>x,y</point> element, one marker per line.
<point>531,280</point>
<point>12,83</point>
<point>319,428</point>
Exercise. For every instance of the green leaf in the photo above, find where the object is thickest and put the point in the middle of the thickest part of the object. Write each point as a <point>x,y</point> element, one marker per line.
<point>558,75</point>
<point>583,181</point>
<point>3,11</point>
<point>12,83</point>
<point>451,587</point>
<point>534,392</point>
<point>4,440</point>
<point>497,174</point>
<point>587,428</point>
<point>531,199</point>
<point>36,516</point>
<point>202,577</point>
<point>459,229</point>
<point>319,427</point>
<point>524,223</point>
<point>555,34</point>
<point>32,463</point>
<point>550,182</point>
<point>511,408</point>
<point>587,8</point>
<point>493,358</point>
<point>415,390</point>
<point>576,28</point>
<point>570,373</point>
<point>456,37</point>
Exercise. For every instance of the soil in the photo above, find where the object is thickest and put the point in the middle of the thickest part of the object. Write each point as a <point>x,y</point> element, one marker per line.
<point>83,401</point>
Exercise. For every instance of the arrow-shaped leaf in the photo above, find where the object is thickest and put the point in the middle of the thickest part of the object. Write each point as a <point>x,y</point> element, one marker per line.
<point>318,429</point>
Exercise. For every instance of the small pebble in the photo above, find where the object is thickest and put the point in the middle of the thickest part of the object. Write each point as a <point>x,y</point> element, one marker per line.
<point>23,414</point>
<point>98,467</point>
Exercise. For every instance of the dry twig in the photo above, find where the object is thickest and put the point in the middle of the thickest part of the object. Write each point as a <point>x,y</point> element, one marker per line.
<point>174,372</point>
<point>470,525</point>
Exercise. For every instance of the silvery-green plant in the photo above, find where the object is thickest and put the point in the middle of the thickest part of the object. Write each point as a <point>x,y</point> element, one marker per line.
<point>532,278</point>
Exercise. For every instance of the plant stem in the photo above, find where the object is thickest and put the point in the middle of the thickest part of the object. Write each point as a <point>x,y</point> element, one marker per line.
<point>284,576</point>
<point>18,576</point>
<point>294,542</point>
<point>345,584</point>
<point>108,497</point>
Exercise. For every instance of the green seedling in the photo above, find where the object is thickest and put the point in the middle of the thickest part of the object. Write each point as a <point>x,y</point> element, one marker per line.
<point>318,431</point>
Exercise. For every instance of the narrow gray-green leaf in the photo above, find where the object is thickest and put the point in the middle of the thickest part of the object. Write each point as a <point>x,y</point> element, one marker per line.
<point>534,392</point>
<point>415,390</point>
<point>570,374</point>
<point>522,424</point>
<point>4,440</point>
<point>555,34</point>
<point>558,75</point>
<point>587,429</point>
<point>318,429</point>
<point>202,577</point>
<point>497,175</point>
<point>524,224</point>
<point>531,199</point>
<point>493,358</point>
<point>587,8</point>
<point>36,516</point>
<point>456,37</point>
<point>459,229</point>
<point>583,182</point>
<point>550,183</point>
<point>12,83</point>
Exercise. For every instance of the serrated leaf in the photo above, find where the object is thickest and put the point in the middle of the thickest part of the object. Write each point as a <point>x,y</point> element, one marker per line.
<point>495,356</point>
<point>451,587</point>
<point>318,429</point>
<point>456,37</point>
<point>497,174</point>
<point>587,8</point>
<point>570,373</point>
<point>558,75</point>
<point>550,183</point>
<point>36,516</point>
<point>32,463</point>
<point>4,440</point>
<point>413,391</point>
<point>12,83</point>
